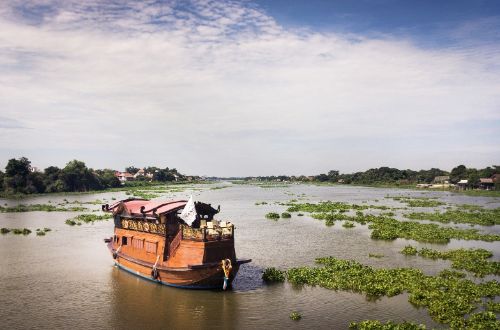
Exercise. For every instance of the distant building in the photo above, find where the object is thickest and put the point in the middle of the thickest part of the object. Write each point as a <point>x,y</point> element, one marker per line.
<point>486,183</point>
<point>462,184</point>
<point>124,176</point>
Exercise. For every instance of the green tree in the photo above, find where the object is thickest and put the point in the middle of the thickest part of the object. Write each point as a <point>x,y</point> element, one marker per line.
<point>131,169</point>
<point>77,177</point>
<point>16,175</point>
<point>107,178</point>
<point>458,173</point>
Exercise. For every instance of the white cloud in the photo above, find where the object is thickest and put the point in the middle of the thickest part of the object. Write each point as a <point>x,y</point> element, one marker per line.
<point>220,88</point>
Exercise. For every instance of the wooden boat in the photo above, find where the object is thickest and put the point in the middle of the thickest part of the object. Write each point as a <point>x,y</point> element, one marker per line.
<point>151,240</point>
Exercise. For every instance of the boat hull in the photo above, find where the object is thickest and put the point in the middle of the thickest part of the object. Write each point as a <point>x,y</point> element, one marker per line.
<point>205,276</point>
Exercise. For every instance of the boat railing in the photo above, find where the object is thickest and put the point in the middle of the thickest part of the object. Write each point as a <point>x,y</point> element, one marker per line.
<point>212,232</point>
<point>148,227</point>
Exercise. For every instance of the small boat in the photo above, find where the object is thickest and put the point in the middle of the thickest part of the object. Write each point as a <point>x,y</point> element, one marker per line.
<point>153,240</point>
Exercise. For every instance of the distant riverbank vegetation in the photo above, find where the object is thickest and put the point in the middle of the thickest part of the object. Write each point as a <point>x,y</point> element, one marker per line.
<point>21,178</point>
<point>394,177</point>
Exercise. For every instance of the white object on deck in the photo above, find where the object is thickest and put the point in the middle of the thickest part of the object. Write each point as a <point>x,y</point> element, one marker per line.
<point>189,212</point>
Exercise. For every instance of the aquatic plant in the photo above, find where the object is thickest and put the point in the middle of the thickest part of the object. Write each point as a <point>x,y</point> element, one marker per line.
<point>409,250</point>
<point>330,206</point>
<point>389,325</point>
<point>485,217</point>
<point>300,214</point>
<point>273,275</point>
<point>273,216</point>
<point>449,298</point>
<point>20,231</point>
<point>42,232</point>
<point>4,230</point>
<point>348,224</point>
<point>375,255</point>
<point>493,307</point>
<point>39,207</point>
<point>286,215</point>
<point>472,260</point>
<point>417,201</point>
<point>295,316</point>
<point>260,203</point>
<point>87,218</point>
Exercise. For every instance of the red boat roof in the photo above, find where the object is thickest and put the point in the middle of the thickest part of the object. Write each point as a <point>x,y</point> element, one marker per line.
<point>149,208</point>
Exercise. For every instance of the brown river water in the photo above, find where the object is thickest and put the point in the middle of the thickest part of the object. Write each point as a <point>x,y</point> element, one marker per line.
<point>67,278</point>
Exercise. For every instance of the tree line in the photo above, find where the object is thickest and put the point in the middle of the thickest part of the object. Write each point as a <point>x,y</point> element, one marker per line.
<point>387,175</point>
<point>20,178</point>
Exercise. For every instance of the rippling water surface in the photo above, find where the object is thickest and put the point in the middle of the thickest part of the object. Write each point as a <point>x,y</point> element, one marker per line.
<point>66,279</point>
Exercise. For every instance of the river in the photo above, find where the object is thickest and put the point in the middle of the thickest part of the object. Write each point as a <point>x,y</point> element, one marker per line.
<point>67,279</point>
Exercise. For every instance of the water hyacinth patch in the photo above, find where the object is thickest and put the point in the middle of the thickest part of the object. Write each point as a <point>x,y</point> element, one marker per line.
<point>387,228</point>
<point>273,216</point>
<point>485,217</point>
<point>295,316</point>
<point>389,325</point>
<point>375,255</point>
<point>330,206</point>
<point>472,260</point>
<point>448,297</point>
<point>40,207</point>
<point>286,215</point>
<point>273,275</point>
<point>42,232</point>
<point>418,201</point>
<point>348,224</point>
<point>87,218</point>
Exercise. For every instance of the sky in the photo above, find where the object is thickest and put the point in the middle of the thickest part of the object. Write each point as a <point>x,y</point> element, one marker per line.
<point>246,88</point>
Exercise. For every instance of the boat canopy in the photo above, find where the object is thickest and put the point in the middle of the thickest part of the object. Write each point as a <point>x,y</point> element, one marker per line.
<point>145,207</point>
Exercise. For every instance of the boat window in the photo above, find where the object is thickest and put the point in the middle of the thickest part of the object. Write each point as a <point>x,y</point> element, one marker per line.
<point>124,240</point>
<point>150,247</point>
<point>138,243</point>
<point>116,239</point>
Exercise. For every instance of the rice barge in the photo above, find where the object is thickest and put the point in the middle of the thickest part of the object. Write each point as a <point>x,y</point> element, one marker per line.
<point>176,243</point>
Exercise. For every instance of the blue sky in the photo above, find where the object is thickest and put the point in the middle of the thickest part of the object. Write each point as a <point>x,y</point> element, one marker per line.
<point>251,88</point>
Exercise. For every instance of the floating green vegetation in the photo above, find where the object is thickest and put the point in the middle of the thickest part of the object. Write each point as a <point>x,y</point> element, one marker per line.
<point>386,228</point>
<point>20,231</point>
<point>295,316</point>
<point>417,201</point>
<point>348,224</point>
<point>273,275</point>
<point>142,194</point>
<point>260,203</point>
<point>40,207</point>
<point>300,214</point>
<point>42,232</point>
<point>87,218</point>
<point>412,201</point>
<point>218,187</point>
<point>330,206</point>
<point>273,216</point>
<point>4,230</point>
<point>472,260</point>
<point>286,215</point>
<point>375,255</point>
<point>493,307</point>
<point>485,217</point>
<point>409,250</point>
<point>448,297</point>
<point>377,325</point>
